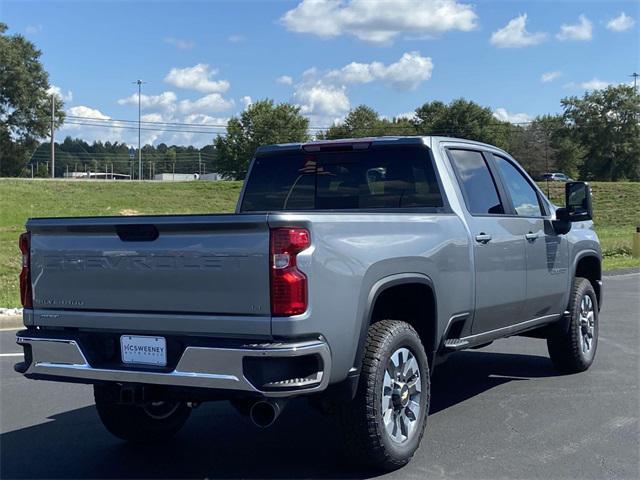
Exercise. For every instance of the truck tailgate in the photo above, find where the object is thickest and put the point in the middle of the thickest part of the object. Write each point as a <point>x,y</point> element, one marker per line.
<point>187,264</point>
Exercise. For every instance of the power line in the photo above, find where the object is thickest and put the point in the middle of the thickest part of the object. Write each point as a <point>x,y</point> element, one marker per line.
<point>224,125</point>
<point>210,128</point>
<point>122,127</point>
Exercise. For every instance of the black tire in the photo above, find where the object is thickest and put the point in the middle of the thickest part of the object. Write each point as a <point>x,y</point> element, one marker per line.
<point>138,424</point>
<point>574,350</point>
<point>367,440</point>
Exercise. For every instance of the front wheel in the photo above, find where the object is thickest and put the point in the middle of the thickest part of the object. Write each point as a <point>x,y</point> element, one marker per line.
<point>152,422</point>
<point>384,423</point>
<point>573,351</point>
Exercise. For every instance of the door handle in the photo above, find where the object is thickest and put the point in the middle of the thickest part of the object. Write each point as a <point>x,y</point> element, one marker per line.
<point>483,238</point>
<point>531,236</point>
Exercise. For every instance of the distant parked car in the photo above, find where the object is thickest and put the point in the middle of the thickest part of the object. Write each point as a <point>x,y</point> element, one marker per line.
<point>556,177</point>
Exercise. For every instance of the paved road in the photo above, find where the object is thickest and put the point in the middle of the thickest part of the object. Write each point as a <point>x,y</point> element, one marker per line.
<point>499,412</point>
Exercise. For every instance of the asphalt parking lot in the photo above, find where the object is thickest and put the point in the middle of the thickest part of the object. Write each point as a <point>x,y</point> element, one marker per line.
<point>499,412</point>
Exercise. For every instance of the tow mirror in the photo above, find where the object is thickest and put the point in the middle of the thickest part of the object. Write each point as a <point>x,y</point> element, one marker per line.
<point>578,201</point>
<point>578,207</point>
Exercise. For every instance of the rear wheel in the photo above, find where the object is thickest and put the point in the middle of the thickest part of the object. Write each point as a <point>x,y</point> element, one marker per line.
<point>152,422</point>
<point>384,423</point>
<point>574,350</point>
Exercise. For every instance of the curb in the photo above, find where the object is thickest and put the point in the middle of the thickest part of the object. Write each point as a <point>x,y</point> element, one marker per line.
<point>621,271</point>
<point>11,322</point>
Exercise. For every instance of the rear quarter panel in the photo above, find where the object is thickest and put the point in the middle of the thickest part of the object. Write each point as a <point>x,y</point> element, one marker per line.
<point>353,251</point>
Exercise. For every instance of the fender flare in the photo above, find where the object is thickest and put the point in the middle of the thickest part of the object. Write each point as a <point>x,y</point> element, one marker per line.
<point>574,267</point>
<point>376,289</point>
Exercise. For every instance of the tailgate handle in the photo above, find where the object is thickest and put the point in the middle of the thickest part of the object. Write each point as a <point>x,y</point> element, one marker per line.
<point>137,233</point>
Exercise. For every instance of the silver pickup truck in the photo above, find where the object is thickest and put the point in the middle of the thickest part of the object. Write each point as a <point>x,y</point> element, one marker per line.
<point>348,272</point>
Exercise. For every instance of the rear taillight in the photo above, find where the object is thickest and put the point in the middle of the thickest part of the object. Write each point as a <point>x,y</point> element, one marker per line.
<point>288,284</point>
<point>25,274</point>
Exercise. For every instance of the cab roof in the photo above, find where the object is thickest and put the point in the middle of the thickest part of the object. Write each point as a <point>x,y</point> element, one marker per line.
<point>364,142</point>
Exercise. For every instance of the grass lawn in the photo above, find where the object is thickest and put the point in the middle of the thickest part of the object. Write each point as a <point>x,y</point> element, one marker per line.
<point>21,199</point>
<point>616,208</point>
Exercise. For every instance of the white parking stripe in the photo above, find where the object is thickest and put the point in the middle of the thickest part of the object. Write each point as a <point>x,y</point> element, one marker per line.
<point>11,354</point>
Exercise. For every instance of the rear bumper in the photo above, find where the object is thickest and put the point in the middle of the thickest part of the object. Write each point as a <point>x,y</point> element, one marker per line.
<point>219,368</point>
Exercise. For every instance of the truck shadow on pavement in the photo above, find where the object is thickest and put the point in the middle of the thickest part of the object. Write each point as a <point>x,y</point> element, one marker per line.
<point>218,443</point>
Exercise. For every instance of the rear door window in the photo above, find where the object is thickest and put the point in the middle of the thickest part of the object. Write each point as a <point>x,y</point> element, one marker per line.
<point>477,183</point>
<point>398,177</point>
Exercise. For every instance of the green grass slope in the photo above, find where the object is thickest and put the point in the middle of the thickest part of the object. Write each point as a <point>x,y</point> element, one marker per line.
<point>21,199</point>
<point>616,207</point>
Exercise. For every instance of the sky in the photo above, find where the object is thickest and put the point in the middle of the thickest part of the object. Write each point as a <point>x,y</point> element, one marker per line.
<point>205,61</point>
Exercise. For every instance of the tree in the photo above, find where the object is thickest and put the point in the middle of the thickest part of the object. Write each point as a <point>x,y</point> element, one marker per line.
<point>546,144</point>
<point>463,119</point>
<point>25,105</point>
<point>364,121</point>
<point>606,123</point>
<point>262,123</point>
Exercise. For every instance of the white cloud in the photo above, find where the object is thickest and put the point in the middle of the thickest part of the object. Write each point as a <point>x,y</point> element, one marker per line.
<point>246,101</point>
<point>236,38</point>
<point>621,23</point>
<point>87,112</point>
<point>94,129</point>
<point>593,84</point>
<point>320,101</point>
<point>407,115</point>
<point>166,101</point>
<point>406,74</point>
<point>152,117</point>
<point>54,90</point>
<point>323,95</point>
<point>285,80</point>
<point>504,116</point>
<point>202,119</point>
<point>180,43</point>
<point>197,78</point>
<point>550,76</point>
<point>379,21</point>
<point>89,127</point>
<point>515,34</point>
<point>214,102</point>
<point>33,29</point>
<point>583,30</point>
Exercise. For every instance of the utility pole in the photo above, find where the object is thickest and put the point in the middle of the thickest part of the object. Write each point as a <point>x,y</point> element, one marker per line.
<point>546,157</point>
<point>139,83</point>
<point>635,76</point>
<point>53,145</point>
<point>199,164</point>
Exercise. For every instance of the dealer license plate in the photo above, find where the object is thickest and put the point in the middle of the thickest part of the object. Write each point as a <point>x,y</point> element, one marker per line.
<point>143,350</point>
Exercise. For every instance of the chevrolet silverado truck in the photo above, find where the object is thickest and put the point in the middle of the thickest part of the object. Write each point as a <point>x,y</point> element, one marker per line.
<point>348,272</point>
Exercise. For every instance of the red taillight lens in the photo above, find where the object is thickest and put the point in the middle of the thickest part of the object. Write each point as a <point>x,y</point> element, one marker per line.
<point>288,284</point>
<point>25,273</point>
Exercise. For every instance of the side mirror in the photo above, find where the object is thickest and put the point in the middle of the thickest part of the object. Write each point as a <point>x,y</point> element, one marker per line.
<point>578,201</point>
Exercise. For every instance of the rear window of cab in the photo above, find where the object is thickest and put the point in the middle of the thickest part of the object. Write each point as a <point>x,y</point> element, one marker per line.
<point>376,178</point>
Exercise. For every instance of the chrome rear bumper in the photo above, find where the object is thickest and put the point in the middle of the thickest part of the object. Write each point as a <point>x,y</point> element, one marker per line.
<point>201,367</point>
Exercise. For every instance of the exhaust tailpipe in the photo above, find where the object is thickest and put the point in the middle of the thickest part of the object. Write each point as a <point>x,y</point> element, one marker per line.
<point>264,413</point>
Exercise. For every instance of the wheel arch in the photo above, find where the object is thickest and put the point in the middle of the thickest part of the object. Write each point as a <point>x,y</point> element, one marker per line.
<point>588,264</point>
<point>392,288</point>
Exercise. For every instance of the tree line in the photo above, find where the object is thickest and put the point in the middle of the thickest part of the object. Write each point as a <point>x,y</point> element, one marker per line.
<point>595,137</point>
<point>76,155</point>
